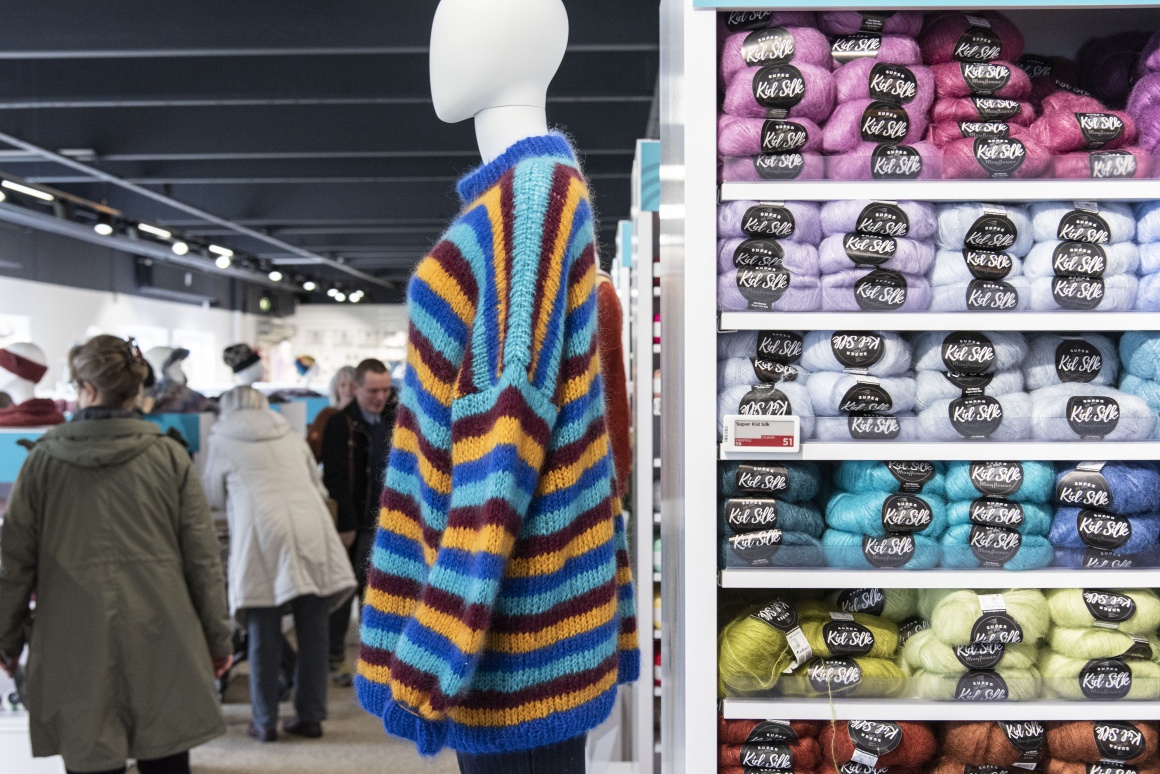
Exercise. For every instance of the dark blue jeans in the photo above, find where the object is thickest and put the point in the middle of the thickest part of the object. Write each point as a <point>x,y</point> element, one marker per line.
<point>567,757</point>
<point>313,631</point>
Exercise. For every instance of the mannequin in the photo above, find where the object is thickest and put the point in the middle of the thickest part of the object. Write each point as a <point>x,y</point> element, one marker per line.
<point>246,364</point>
<point>22,366</point>
<point>171,394</point>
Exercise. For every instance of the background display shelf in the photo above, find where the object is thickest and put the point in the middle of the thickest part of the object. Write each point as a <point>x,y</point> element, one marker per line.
<point>917,709</point>
<point>939,321</point>
<point>838,578</point>
<point>1056,451</point>
<point>945,190</point>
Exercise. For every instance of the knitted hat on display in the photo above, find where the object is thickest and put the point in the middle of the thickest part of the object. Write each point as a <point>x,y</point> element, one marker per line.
<point>303,364</point>
<point>239,357</point>
<point>26,369</point>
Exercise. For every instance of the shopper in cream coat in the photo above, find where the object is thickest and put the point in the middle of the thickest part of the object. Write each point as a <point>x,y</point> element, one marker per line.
<point>285,555</point>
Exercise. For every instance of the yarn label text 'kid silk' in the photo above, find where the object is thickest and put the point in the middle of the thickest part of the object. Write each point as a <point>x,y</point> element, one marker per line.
<point>762,479</point>
<point>996,478</point>
<point>883,218</point>
<point>873,427</point>
<point>857,350</point>
<point>1105,531</point>
<point>985,78</point>
<point>882,290</point>
<point>871,601</point>
<point>765,400</point>
<point>759,254</point>
<point>1111,164</point>
<point>772,46</point>
<point>993,546</point>
<point>847,638</point>
<point>911,475</point>
<point>1118,741</point>
<point>1109,606</point>
<point>1098,129</point>
<point>1084,226</point>
<point>778,88</point>
<point>1084,489</point>
<point>1079,259</point>
<point>779,136</point>
<point>875,736</point>
<point>978,43</point>
<point>1027,736</point>
<point>968,352</point>
<point>883,122</point>
<point>1092,416</point>
<point>756,549</point>
<point>906,513</point>
<point>781,346</point>
<point>992,231</point>
<point>981,686</point>
<point>762,287</point>
<point>987,265</point>
<point>740,21</point>
<point>768,220</point>
<point>847,48</point>
<point>1077,360</point>
<point>984,295</point>
<point>833,675</point>
<point>895,162</point>
<point>869,249</point>
<point>1102,679</point>
<point>999,157</point>
<point>779,166</point>
<point>996,512</point>
<point>972,129</point>
<point>892,83</point>
<point>890,551</point>
<point>1078,293</point>
<point>980,655</point>
<point>764,756</point>
<point>977,416</point>
<point>750,515</point>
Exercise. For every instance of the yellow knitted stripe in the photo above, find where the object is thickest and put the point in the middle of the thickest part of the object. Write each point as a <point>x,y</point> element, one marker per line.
<point>493,201</point>
<point>439,390</point>
<point>403,525</point>
<point>580,386</point>
<point>545,564</point>
<point>446,286</point>
<point>452,627</point>
<point>532,710</point>
<point>561,478</point>
<point>624,576</point>
<point>627,641</point>
<point>582,290</point>
<point>554,268</point>
<point>376,673</point>
<point>525,642</point>
<point>389,603</point>
<point>502,433</point>
<point>405,439</point>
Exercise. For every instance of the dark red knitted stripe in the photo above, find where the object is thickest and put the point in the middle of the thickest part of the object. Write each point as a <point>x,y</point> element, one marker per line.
<point>553,222</point>
<point>440,458</point>
<point>570,454</point>
<point>553,689</point>
<point>393,584</point>
<point>474,616</point>
<point>530,547</point>
<point>453,262</point>
<point>577,365</point>
<point>576,606</point>
<point>443,369</point>
<point>420,681</point>
<point>509,403</point>
<point>497,513</point>
<point>508,205</point>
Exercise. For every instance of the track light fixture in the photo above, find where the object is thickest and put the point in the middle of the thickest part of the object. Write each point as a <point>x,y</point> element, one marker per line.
<point>104,226</point>
<point>28,191</point>
<point>275,276</point>
<point>160,233</point>
<point>309,286</point>
<point>180,248</point>
<point>223,262</point>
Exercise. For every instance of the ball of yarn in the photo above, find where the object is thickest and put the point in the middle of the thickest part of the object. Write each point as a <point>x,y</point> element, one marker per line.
<point>951,268</point>
<point>1148,224</point>
<point>1145,528</point>
<point>810,47</point>
<point>894,358</point>
<point>797,403</point>
<point>795,549</point>
<point>977,109</point>
<point>732,23</point>
<point>1107,65</point>
<point>1040,366</point>
<point>1119,258</point>
<point>877,678</point>
<point>1144,389</point>
<point>1097,642</point>
<point>795,482</point>
<point>746,219</point>
<point>909,256</point>
<point>1068,608</point>
<point>1149,61</point>
<point>863,427</point>
<point>946,132</point>
<point>892,604</point>
<point>1047,73</point>
<point>1062,131</point>
<point>845,549</point>
<point>838,292</point>
<point>849,22</point>
<point>805,755</point>
<point>977,159</point>
<point>1145,95</point>
<point>934,386</point>
<point>1148,126</point>
<point>1116,293</point>
<point>865,162</point>
<point>873,476</point>
<point>917,747</point>
<point>828,391</point>
<point>853,79</point>
<point>926,651</point>
<point>840,217</point>
<point>1052,413</point>
<point>1119,219</point>
<point>1037,484</point>
<point>741,370</point>
<point>739,731</point>
<point>1132,487</point>
<point>1130,162</point>
<point>979,743</point>
<point>1067,101</point>
<point>843,132</point>
<point>1084,558</point>
<point>791,517</point>
<point>957,221</point>
<point>1006,295</point>
<point>1058,766</point>
<point>1022,685</point>
<point>751,655</point>
<point>1149,258</point>
<point>1061,677</point>
<point>950,80</point>
<point>797,258</point>
<point>1037,517</point>
<point>1006,350</point>
<point>1140,354</point>
<point>738,136</point>
<point>885,636</point>
<point>1075,740</point>
<point>861,512</point>
<point>1014,425</point>
<point>777,166</point>
<point>1034,551</point>
<point>953,613</point>
<point>816,103</point>
<point>893,49</point>
<point>1148,294</point>
<point>941,36</point>
<point>802,295</point>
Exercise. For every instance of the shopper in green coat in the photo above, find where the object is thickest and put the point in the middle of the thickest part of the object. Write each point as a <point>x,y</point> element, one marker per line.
<point>108,526</point>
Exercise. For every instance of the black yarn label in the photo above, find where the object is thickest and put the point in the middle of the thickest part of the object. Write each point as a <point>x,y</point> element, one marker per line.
<point>971,129</point>
<point>1077,360</point>
<point>1104,767</point>
<point>853,767</point>
<point>980,655</point>
<point>883,218</point>
<point>773,372</point>
<point>778,614</point>
<point>906,513</point>
<point>994,546</point>
<point>996,512</point>
<point>970,384</point>
<point>779,136</point>
<point>770,46</point>
<point>1098,129</point>
<point>991,232</point>
<point>869,249</point>
<point>998,627</point>
<point>1140,648</point>
<point>762,287</point>
<point>857,350</point>
<point>1117,741</point>
<point>1099,559</point>
<point>779,87</point>
<point>1027,736</point>
<point>1104,531</point>
<point>1064,86</point>
<point>987,265</point>
<point>877,737</point>
<point>873,427</point>
<point>870,601</point>
<point>975,417</point>
<point>1036,66</point>
<point>741,21</point>
<point>759,254</point>
<point>782,346</point>
<point>779,166</point>
<point>847,48</point>
<point>874,21</point>
<point>762,479</point>
<point>999,157</point>
<point>977,44</point>
<point>837,676</point>
<point>991,296</point>
<point>892,83</point>
<point>895,162</point>
<point>1109,606</point>
<point>865,397</point>
<point>1084,226</point>
<point>1084,489</point>
<point>970,352</point>
<point>985,78</point>
<point>890,551</point>
<point>996,478</point>
<point>756,549</point>
<point>1111,164</point>
<point>882,290</point>
<point>911,475</point>
<point>884,122</point>
<point>772,731</point>
<point>1092,416</point>
<point>768,220</point>
<point>1104,679</point>
<point>765,400</point>
<point>1079,259</point>
<point>751,515</point>
<point>987,768</point>
<point>981,686</point>
<point>995,108</point>
<point>911,627</point>
<point>847,638</point>
<point>1083,293</point>
<point>764,756</point>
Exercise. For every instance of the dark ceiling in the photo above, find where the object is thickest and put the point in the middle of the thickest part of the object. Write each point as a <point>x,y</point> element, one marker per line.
<point>308,120</point>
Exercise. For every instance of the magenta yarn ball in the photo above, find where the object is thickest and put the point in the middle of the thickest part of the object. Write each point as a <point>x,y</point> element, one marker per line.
<point>1064,101</point>
<point>942,38</point>
<point>894,49</point>
<point>857,79</point>
<point>849,22</point>
<point>982,109</point>
<point>992,79</point>
<point>865,161</point>
<point>952,131</point>
<point>982,158</point>
<point>809,47</point>
<point>777,166</point>
<point>1065,131</point>
<point>866,120</point>
<point>746,21</point>
<point>803,91</point>
<point>1123,163</point>
<point>739,136</point>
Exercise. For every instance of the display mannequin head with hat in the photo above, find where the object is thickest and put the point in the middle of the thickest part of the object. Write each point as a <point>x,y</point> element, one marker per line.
<point>22,366</point>
<point>245,362</point>
<point>166,362</point>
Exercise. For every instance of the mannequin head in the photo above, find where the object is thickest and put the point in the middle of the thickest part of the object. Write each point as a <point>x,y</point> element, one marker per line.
<point>22,366</point>
<point>245,362</point>
<point>167,362</point>
<point>250,375</point>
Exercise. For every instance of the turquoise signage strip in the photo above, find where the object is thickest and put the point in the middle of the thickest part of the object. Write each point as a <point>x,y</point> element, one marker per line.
<point>650,175</point>
<point>12,454</point>
<point>865,5</point>
<point>189,425</point>
<point>314,407</point>
<point>626,243</point>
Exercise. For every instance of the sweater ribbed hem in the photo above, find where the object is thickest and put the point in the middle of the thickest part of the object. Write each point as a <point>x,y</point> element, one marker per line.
<point>629,669</point>
<point>479,180</point>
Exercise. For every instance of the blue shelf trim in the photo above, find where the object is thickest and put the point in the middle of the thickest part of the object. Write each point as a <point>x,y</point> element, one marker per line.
<point>625,245</point>
<point>314,407</point>
<point>866,5</point>
<point>187,424</point>
<point>650,175</point>
<point>12,455</point>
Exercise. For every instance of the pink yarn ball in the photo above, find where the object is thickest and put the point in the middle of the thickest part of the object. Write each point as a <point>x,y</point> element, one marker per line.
<point>845,128</point>
<point>813,90</point>
<point>747,21</point>
<point>849,22</point>
<point>982,109</point>
<point>1126,162</point>
<point>952,131</point>
<point>865,161</point>
<point>1064,101</point>
<point>808,46</point>
<point>1005,80</point>
<point>894,49</point>
<point>1145,94</point>
<point>942,38</point>
<point>738,136</point>
<point>1061,131</point>
<point>781,166</point>
<point>853,81</point>
<point>961,163</point>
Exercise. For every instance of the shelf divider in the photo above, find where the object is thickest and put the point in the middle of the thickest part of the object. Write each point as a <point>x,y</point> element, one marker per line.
<point>823,451</point>
<point>944,190</point>
<point>939,321</point>
<point>837,578</point>
<point>916,709</point>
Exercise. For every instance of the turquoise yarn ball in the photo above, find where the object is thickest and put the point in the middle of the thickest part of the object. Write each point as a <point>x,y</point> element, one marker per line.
<point>1034,551</point>
<point>1036,517</point>
<point>873,476</point>
<point>1038,481</point>
<point>845,549</point>
<point>862,512</point>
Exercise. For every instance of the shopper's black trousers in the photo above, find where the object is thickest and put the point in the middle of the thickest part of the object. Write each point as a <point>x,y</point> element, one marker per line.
<point>567,757</point>
<point>174,764</point>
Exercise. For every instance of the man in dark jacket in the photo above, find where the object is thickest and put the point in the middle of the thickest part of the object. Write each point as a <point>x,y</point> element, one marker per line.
<point>354,460</point>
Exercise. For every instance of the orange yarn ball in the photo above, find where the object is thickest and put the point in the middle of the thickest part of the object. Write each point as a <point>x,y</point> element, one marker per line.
<point>1081,741</point>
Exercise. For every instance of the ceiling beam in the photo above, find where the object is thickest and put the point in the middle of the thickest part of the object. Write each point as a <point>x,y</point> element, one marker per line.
<point>102,104</point>
<point>245,51</point>
<point>385,180</point>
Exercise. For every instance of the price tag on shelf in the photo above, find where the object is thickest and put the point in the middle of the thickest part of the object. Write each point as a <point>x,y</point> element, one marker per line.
<point>745,433</point>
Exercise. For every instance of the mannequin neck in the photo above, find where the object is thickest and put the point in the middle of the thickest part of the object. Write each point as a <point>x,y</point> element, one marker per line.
<point>20,390</point>
<point>499,128</point>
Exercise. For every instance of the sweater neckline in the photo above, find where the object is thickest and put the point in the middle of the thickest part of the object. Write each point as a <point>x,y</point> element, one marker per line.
<point>479,180</point>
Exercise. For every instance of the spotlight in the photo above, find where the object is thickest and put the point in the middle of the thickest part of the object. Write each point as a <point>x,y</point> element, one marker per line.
<point>160,233</point>
<point>33,192</point>
<point>354,299</point>
<point>339,297</point>
<point>104,226</point>
<point>275,276</point>
<point>332,292</point>
<point>309,286</point>
<point>2,196</point>
<point>225,252</point>
<point>180,248</point>
<point>223,262</point>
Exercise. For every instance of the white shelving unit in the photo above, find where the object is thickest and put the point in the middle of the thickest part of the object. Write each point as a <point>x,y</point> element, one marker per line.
<point>960,450</point>
<point>945,190</point>
<point>939,321</point>
<point>917,709</point>
<point>837,578</point>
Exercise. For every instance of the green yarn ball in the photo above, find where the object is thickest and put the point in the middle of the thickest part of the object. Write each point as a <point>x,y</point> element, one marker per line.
<point>823,678</point>
<point>826,634</point>
<point>1098,642</point>
<point>1022,684</point>
<point>892,604</point>
<point>953,614</point>
<point>1063,677</point>
<point>751,656</point>
<point>925,651</point>
<point>1068,608</point>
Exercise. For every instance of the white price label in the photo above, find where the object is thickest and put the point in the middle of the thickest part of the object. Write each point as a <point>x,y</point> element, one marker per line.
<point>756,433</point>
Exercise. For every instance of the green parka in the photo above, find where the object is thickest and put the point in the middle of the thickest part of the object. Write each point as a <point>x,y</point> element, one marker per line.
<point>108,525</point>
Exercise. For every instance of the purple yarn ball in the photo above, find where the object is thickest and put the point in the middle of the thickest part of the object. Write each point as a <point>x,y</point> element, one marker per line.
<point>838,292</point>
<point>860,163</point>
<point>961,163</point>
<point>1123,163</point>
<point>839,217</point>
<point>852,82</point>
<point>1150,57</point>
<point>809,47</point>
<point>844,131</point>
<point>950,79</point>
<point>895,49</point>
<point>782,166</point>
<point>816,98</point>
<point>940,36</point>
<point>798,259</point>
<point>910,256</point>
<point>849,22</point>
<point>739,21</point>
<point>951,131</point>
<point>803,295</point>
<point>731,221</point>
<point>1145,96</point>
<point>1107,65</point>
<point>974,109</point>
<point>738,136</point>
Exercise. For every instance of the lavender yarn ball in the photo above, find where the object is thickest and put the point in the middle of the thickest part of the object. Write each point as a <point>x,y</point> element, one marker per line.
<point>744,344</point>
<point>1144,389</point>
<point>955,221</point>
<point>950,268</point>
<point>1140,354</point>
<point>1149,61</point>
<point>1148,294</point>
<point>1046,217</point>
<point>780,166</point>
<point>1037,517</point>
<point>932,386</point>
<point>940,36</point>
<point>1145,96</point>
<point>859,163</point>
<point>910,256</point>
<point>950,79</point>
<point>840,217</point>
<point>945,133</point>
<point>1001,350</point>
<point>1118,294</point>
<point>1060,131</point>
<point>1148,224</point>
<point>1049,420</point>
<point>1130,162</point>
<point>802,295</point>
<point>816,104</point>
<point>961,162</point>
<point>843,132</point>
<point>828,388</point>
<point>980,109</point>
<point>732,221</point>
<point>800,405</point>
<point>895,49</point>
<point>737,136</point>
<point>853,80</point>
<point>798,258</point>
<point>740,371</point>
<point>837,429</point>
<point>809,47</point>
<point>1119,258</point>
<point>1148,125</point>
<point>818,353</point>
<point>1145,530</point>
<point>979,296</point>
<point>1034,551</point>
<point>1037,485</point>
<point>849,22</point>
<point>1039,367</point>
<point>838,292</point>
<point>935,422</point>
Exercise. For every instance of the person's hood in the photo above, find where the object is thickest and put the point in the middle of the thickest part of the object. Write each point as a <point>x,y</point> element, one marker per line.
<point>252,425</point>
<point>99,443</point>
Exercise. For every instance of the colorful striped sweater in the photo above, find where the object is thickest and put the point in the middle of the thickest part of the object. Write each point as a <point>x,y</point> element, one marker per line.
<point>499,611</point>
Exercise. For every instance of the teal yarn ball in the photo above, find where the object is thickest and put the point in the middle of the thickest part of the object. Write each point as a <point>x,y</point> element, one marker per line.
<point>1036,480</point>
<point>753,549</point>
<point>795,482</point>
<point>872,476</point>
<point>1073,608</point>
<point>740,515</point>
<point>895,605</point>
<point>925,651</point>
<point>1146,390</point>
<point>1034,551</point>
<point>1036,517</point>
<point>1021,684</point>
<point>845,549</point>
<point>953,614</point>
<point>1062,677</point>
<point>1097,642</point>
<point>862,512</point>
